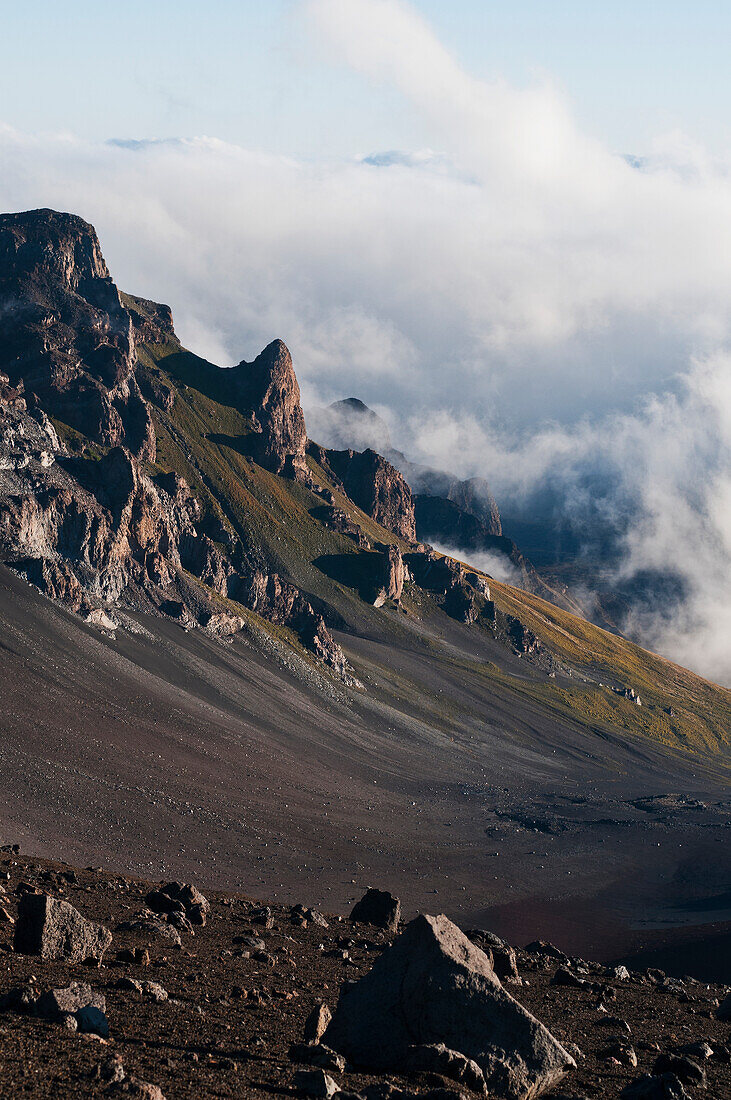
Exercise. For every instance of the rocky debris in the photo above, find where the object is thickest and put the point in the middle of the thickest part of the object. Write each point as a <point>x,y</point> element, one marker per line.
<point>460,603</point>
<point>723,1011</point>
<point>282,603</point>
<point>335,519</point>
<point>64,331</point>
<point>435,984</point>
<point>99,617</point>
<point>92,1021</point>
<point>21,998</point>
<point>565,976</point>
<point>222,625</point>
<point>152,928</point>
<point>549,950</point>
<point>317,1023</point>
<point>179,898</point>
<point>53,929</point>
<point>374,485</point>
<point>136,1089</point>
<point>522,637</point>
<point>437,1058</point>
<point>629,693</point>
<point>304,915</point>
<point>378,907</point>
<point>55,1004</point>
<point>231,1026</point>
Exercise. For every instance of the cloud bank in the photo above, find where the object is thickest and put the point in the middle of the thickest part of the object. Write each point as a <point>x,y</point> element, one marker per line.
<point>526,304</point>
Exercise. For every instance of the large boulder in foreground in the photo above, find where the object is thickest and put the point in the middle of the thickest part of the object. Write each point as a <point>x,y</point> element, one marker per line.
<point>53,929</point>
<point>435,987</point>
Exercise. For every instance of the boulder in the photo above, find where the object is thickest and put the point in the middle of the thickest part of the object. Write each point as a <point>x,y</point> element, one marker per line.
<point>92,1021</point>
<point>53,929</point>
<point>435,987</point>
<point>378,907</point>
<point>723,1012</point>
<point>55,1004</point>
<point>315,1082</point>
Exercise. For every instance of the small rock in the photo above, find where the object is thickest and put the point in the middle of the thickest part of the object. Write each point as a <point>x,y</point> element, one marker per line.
<point>316,1023</point>
<point>701,1050</point>
<point>616,1023</point>
<point>155,991</point>
<point>20,999</point>
<point>137,1089</point>
<point>564,976</point>
<point>315,1082</point>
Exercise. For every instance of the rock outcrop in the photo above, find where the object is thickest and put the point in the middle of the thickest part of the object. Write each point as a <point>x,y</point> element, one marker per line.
<point>435,987</point>
<point>64,331</point>
<point>374,485</point>
<point>269,390</point>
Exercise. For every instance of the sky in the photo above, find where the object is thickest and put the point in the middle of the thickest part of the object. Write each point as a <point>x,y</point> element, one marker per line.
<point>250,72</point>
<point>506,226</point>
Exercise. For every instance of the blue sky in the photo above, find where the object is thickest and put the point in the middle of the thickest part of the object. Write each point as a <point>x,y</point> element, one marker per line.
<point>248,71</point>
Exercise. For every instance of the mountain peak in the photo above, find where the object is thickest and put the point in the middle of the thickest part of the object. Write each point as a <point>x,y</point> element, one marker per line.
<point>269,387</point>
<point>66,333</point>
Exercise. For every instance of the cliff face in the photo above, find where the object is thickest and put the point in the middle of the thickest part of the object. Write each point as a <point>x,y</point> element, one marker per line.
<point>268,388</point>
<point>64,331</point>
<point>374,485</point>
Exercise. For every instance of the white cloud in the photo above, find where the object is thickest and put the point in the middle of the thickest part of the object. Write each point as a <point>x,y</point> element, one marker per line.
<point>523,275</point>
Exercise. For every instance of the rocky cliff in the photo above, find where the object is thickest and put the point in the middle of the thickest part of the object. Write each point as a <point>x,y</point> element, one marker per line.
<point>374,485</point>
<point>100,528</point>
<point>64,331</point>
<point>268,388</point>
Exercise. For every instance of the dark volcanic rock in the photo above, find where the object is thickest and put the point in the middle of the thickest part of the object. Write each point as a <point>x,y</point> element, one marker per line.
<point>64,331</point>
<point>55,930</point>
<point>378,907</point>
<point>434,986</point>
